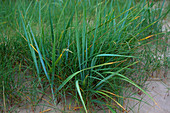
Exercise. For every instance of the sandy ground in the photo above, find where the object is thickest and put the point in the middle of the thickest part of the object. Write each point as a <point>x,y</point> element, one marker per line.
<point>161,94</point>
<point>159,90</point>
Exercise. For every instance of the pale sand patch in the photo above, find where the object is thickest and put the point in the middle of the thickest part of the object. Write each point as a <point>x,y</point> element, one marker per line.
<point>157,89</point>
<point>160,93</point>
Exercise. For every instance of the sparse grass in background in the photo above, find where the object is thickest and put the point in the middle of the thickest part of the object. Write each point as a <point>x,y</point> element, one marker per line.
<point>96,52</point>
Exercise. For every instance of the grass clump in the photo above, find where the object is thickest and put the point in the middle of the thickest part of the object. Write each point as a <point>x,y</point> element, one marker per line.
<point>92,51</point>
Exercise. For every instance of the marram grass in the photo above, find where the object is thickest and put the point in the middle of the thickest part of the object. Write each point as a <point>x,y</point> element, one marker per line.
<point>94,51</point>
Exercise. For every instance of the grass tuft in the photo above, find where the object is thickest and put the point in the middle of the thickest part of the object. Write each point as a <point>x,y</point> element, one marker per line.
<point>93,51</point>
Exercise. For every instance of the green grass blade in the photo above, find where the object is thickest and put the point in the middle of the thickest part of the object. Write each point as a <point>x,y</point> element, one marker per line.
<point>79,92</point>
<point>108,55</point>
<point>114,73</point>
<point>39,53</point>
<point>76,73</point>
<point>51,24</point>
<point>29,43</point>
<point>78,41</point>
<point>62,12</point>
<point>131,82</point>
